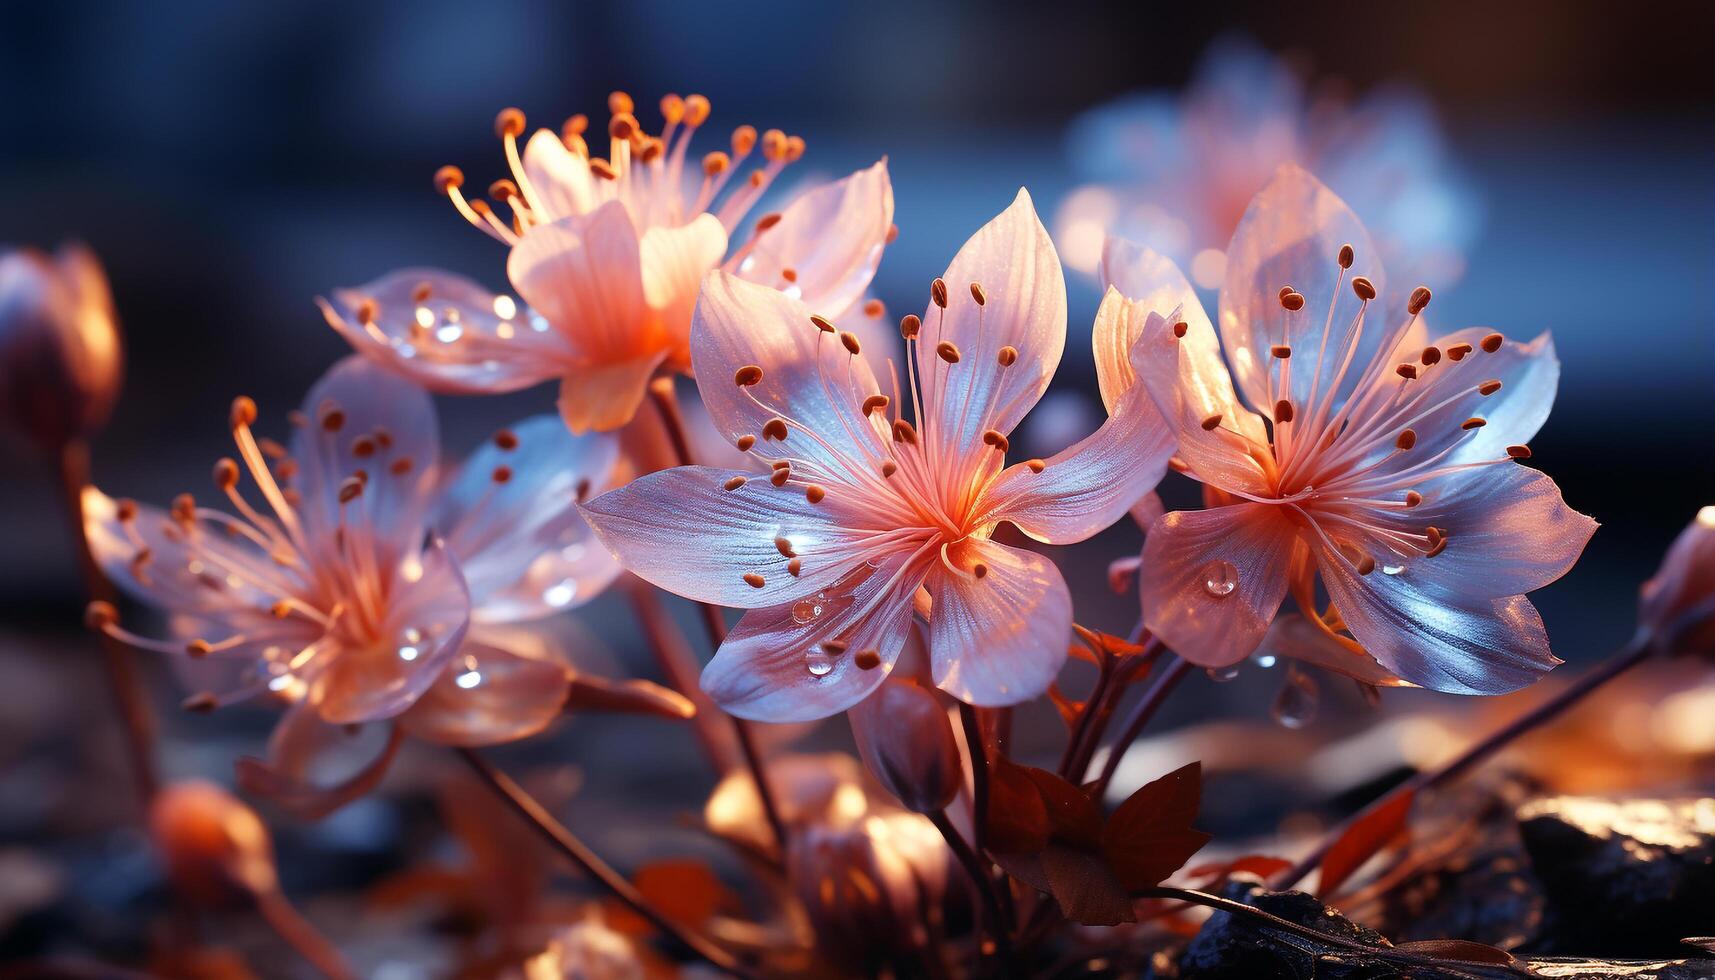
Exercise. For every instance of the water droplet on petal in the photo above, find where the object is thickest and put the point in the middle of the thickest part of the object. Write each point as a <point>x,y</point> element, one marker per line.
<point>818,662</point>
<point>1220,579</point>
<point>1222,675</point>
<point>806,610</point>
<point>1297,700</point>
<point>1264,660</point>
<point>1392,569</point>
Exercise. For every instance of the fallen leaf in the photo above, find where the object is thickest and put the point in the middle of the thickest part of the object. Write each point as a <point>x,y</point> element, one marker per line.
<point>1459,949</point>
<point>1363,840</point>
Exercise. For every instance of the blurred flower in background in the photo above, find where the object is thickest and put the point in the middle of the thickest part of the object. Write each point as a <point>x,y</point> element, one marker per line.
<point>1173,171</point>
<point>60,354</point>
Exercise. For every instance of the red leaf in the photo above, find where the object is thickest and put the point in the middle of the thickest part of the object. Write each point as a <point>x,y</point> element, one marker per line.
<point>1017,817</point>
<point>1149,836</point>
<point>1068,708</point>
<point>1084,888</point>
<point>1073,817</point>
<point>1363,840</point>
<point>1459,949</point>
<point>1261,865</point>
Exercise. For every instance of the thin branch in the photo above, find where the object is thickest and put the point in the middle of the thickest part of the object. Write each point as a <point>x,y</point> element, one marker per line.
<point>977,869</point>
<point>1167,677</point>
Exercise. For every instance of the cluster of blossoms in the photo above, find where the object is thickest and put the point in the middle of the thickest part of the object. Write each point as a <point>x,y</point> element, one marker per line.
<point>863,514</point>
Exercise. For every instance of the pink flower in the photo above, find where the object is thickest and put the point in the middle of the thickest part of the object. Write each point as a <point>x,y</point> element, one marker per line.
<point>608,255</point>
<point>61,358</point>
<point>371,583</point>
<point>1676,608</point>
<point>865,507</point>
<point>1351,448</point>
<point>1175,171</point>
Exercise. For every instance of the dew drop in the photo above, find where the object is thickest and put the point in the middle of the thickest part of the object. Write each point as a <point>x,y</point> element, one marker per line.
<point>1264,660</point>
<point>806,610</point>
<point>1296,702</point>
<point>1222,675</point>
<point>1220,579</point>
<point>1392,569</point>
<point>818,662</point>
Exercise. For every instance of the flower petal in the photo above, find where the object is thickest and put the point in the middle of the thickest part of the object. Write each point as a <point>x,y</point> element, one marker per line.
<point>363,417</point>
<point>1529,376</point>
<point>808,379</point>
<point>1295,636</point>
<point>1212,580</point>
<point>498,689</point>
<point>675,259</point>
<point>1089,485</point>
<point>426,620</point>
<point>604,397</point>
<point>1013,259</point>
<point>560,182</point>
<point>681,530</point>
<point>1152,284</point>
<point>1000,638</point>
<point>585,274</point>
<point>1443,641</point>
<point>446,333</point>
<point>524,550</point>
<point>775,665</point>
<point>830,237</point>
<point>301,750</point>
<point>1290,236</point>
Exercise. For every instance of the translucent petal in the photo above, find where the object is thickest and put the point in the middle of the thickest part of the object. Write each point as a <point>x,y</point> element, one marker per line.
<point>585,275</point>
<point>831,238</point>
<point>1212,580</point>
<point>675,259</point>
<point>499,688</point>
<point>303,749</point>
<point>1147,283</point>
<point>1001,638</point>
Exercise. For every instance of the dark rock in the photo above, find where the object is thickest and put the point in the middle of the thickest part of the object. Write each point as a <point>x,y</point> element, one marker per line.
<point>1624,878</point>
<point>1232,947</point>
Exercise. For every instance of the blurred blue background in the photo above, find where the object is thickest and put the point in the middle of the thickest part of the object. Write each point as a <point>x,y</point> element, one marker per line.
<point>231,161</point>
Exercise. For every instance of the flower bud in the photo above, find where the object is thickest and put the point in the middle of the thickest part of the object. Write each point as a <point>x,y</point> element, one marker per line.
<point>907,743</point>
<point>214,846</point>
<point>1676,608</point>
<point>60,357</point>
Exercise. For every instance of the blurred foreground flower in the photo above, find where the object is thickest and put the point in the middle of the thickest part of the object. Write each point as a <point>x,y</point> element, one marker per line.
<point>609,253</point>
<point>1175,172</point>
<point>1677,607</point>
<point>865,507</point>
<point>1389,466</point>
<point>381,586</point>
<point>60,357</point>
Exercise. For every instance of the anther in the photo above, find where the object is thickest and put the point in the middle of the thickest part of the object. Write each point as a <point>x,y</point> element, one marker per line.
<point>1493,342</point>
<point>1008,356</point>
<point>502,189</point>
<point>780,476</point>
<point>510,122</point>
<point>874,308</point>
<point>1345,257</point>
<point>367,311</point>
<point>784,546</point>
<point>99,615</point>
<point>1407,371</point>
<point>775,429</point>
<point>980,570</point>
<point>506,440</point>
<point>1518,452</point>
<point>1489,387</point>
<point>199,648</point>
<point>814,493</point>
<point>1431,355</point>
<point>747,376</point>
<point>744,443</point>
<point>581,492</point>
<point>1365,289</point>
<point>1212,423</point>
<point>350,489</point>
<point>447,178</point>
<point>788,273</point>
<point>1436,549</point>
<point>622,126</point>
<point>978,294</point>
<point>225,474</point>
<point>867,659</point>
<point>938,293</point>
<point>1281,351</point>
<point>184,509</point>
<point>1413,498</point>
<point>780,464</point>
<point>363,447</point>
<point>734,483</point>
<point>421,292</point>
<point>1406,440</point>
<point>280,610</point>
<point>909,325</point>
<point>849,341</point>
<point>1473,423</point>
<point>767,221</point>
<point>994,438</point>
<point>502,474</point>
<point>948,351</point>
<point>200,703</point>
<point>1366,565</point>
<point>243,412</point>
<point>794,566</point>
<point>889,468</point>
<point>618,102</point>
<point>1457,352</point>
<point>672,108</point>
<point>1282,411</point>
<point>1419,299</point>
<point>1180,328</point>
<point>743,138</point>
<point>333,420</point>
<point>575,125</point>
<point>774,144</point>
<point>1035,465</point>
<point>892,234</point>
<point>1292,300</point>
<point>874,403</point>
<point>822,323</point>
<point>696,110</point>
<point>400,466</point>
<point>903,432</point>
<point>715,163</point>
<point>601,168</point>
<point>1434,534</point>
<point>754,580</point>
<point>835,648</point>
<point>127,511</point>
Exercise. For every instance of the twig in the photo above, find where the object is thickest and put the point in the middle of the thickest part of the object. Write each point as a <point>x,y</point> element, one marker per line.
<point>1633,654</point>
<point>673,654</point>
<point>568,844</point>
<point>127,688</point>
<point>1170,673</point>
<point>976,868</point>
<point>299,934</point>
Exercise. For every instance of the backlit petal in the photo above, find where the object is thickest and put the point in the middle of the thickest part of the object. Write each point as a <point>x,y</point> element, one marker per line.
<point>604,396</point>
<point>498,689</point>
<point>675,259</point>
<point>1212,580</point>
<point>1000,638</point>
<point>561,184</point>
<point>1152,284</point>
<point>585,274</point>
<point>830,238</point>
<point>314,768</point>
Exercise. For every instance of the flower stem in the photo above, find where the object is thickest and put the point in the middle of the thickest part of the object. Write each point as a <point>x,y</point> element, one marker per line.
<point>290,925</point>
<point>667,405</point>
<point>1633,654</point>
<point>1168,677</point>
<point>978,749</point>
<point>568,844</point>
<point>127,688</point>
<point>976,868</point>
<point>678,665</point>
